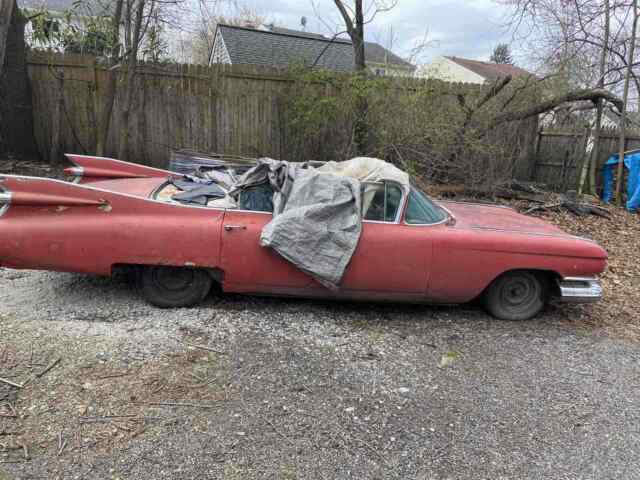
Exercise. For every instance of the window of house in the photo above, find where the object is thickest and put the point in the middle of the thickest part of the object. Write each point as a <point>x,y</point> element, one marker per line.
<point>381,201</point>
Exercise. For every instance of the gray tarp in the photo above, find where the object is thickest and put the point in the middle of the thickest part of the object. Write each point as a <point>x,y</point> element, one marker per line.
<point>317,213</point>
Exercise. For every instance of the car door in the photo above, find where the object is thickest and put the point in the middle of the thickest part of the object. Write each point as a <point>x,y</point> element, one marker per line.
<point>248,266</point>
<point>393,258</point>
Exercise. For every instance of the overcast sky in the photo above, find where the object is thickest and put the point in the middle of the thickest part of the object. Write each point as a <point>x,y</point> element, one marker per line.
<point>464,28</point>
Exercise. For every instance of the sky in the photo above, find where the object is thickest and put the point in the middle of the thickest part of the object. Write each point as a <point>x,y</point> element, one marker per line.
<point>463,28</point>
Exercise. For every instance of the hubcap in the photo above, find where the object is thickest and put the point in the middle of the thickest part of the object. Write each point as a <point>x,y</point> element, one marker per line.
<point>518,294</point>
<point>173,279</point>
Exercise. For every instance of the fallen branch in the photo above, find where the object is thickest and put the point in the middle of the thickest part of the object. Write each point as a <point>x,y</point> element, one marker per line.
<point>51,365</point>
<point>579,95</point>
<point>9,382</point>
<point>199,347</point>
<point>177,404</point>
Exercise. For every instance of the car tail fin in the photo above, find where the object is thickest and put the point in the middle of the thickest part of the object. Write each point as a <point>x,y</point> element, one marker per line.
<point>88,169</point>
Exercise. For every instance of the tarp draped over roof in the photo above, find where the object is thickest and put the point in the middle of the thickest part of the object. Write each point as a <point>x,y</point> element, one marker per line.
<point>318,212</point>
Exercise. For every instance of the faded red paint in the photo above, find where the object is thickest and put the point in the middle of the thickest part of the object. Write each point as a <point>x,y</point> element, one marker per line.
<point>60,226</point>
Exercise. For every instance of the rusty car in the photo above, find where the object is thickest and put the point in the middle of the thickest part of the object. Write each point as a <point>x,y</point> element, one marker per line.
<point>112,215</point>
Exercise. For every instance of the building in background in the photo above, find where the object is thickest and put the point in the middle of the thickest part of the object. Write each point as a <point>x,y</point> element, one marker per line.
<point>65,25</point>
<point>281,47</point>
<point>463,70</point>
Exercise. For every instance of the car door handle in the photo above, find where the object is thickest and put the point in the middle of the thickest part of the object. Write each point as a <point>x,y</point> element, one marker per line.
<point>228,228</point>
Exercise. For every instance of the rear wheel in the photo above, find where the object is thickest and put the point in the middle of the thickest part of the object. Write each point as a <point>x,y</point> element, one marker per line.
<point>518,295</point>
<point>173,287</point>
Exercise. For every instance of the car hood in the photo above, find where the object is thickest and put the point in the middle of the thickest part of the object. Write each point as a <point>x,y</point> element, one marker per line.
<point>495,217</point>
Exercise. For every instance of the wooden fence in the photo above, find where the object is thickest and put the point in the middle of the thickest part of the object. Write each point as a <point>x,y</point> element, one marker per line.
<point>560,154</point>
<point>231,110</point>
<point>234,110</point>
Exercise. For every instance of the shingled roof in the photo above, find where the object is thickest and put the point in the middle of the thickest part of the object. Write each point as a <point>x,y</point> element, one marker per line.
<point>282,47</point>
<point>490,71</point>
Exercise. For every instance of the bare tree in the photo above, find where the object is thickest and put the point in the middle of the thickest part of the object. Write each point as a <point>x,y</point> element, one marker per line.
<point>199,28</point>
<point>353,14</point>
<point>104,118</point>
<point>586,44</point>
<point>590,164</point>
<point>15,96</point>
<point>134,31</point>
<point>625,99</point>
<point>6,13</point>
<point>502,54</point>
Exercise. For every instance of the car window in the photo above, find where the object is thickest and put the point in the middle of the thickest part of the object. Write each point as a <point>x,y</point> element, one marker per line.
<point>257,199</point>
<point>421,210</point>
<point>381,201</point>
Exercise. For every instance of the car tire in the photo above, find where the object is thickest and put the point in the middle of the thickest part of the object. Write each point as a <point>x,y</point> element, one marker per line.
<point>174,287</point>
<point>516,296</point>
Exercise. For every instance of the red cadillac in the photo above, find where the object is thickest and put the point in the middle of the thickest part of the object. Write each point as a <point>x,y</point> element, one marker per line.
<point>412,248</point>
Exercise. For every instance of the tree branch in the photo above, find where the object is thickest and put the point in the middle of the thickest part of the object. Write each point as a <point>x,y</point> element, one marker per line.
<point>579,95</point>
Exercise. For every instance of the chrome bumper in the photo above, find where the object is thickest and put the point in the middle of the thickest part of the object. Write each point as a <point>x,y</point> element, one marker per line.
<point>580,290</point>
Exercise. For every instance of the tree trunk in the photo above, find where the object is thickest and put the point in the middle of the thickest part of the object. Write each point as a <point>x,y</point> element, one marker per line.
<point>54,154</point>
<point>130,78</point>
<point>104,122</point>
<point>590,164</point>
<point>576,96</point>
<point>625,99</point>
<point>6,14</point>
<point>16,135</point>
<point>357,38</point>
<point>355,29</point>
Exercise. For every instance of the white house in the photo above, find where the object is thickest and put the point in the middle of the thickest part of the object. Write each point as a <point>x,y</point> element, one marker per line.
<point>463,70</point>
<point>53,17</point>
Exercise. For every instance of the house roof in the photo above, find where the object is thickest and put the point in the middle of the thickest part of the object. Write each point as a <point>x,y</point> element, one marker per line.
<point>282,47</point>
<point>91,7</point>
<point>490,71</point>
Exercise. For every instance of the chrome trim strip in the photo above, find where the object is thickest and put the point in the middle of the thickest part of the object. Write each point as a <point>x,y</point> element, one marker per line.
<point>496,205</point>
<point>591,290</point>
<point>553,235</point>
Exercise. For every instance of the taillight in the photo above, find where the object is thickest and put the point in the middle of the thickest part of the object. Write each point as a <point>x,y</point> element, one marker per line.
<point>5,200</point>
<point>75,173</point>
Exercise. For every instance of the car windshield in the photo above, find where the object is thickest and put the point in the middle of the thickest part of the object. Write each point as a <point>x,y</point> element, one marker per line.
<point>421,210</point>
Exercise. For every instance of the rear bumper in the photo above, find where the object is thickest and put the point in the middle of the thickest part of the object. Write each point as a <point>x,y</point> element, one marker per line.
<point>580,290</point>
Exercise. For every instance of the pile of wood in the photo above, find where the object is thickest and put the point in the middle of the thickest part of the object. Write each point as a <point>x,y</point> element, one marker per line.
<point>529,197</point>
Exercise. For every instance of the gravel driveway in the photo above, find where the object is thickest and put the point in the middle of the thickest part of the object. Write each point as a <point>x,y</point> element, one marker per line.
<point>291,389</point>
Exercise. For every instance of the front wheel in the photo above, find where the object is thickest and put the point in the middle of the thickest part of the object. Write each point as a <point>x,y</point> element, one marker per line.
<point>174,287</point>
<point>516,295</point>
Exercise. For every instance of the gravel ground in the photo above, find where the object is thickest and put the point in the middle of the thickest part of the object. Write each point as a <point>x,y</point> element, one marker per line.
<point>301,389</point>
<point>293,389</point>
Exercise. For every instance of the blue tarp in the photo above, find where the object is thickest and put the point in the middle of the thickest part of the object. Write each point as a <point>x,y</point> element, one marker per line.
<point>632,162</point>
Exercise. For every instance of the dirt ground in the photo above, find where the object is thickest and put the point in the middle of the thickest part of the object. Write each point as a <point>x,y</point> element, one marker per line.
<point>107,386</point>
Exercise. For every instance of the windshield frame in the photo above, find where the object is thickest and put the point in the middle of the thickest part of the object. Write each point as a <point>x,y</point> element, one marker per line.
<point>448,216</point>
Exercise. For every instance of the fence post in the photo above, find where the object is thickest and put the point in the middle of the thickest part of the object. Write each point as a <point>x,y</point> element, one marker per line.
<point>58,117</point>
<point>534,169</point>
